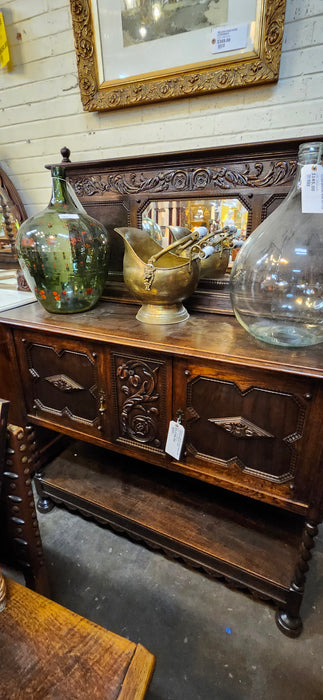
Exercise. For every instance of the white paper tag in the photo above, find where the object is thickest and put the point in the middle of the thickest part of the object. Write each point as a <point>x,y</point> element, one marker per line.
<point>175,439</point>
<point>229,38</point>
<point>312,189</point>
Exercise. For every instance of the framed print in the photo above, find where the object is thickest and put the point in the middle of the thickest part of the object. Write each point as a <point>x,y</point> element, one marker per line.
<point>135,52</point>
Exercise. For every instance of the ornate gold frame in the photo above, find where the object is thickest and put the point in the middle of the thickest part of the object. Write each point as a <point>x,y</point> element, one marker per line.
<point>262,67</point>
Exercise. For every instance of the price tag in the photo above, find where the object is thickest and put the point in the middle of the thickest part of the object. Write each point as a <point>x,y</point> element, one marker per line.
<point>229,38</point>
<point>175,439</point>
<point>312,189</point>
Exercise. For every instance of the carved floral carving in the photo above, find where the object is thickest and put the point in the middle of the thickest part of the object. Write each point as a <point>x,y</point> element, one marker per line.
<point>139,412</point>
<point>240,427</point>
<point>193,179</point>
<point>260,68</point>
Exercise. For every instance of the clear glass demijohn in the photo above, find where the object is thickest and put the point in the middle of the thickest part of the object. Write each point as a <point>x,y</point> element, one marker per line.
<point>276,281</point>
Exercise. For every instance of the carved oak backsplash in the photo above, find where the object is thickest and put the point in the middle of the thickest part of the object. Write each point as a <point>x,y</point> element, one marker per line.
<point>139,387</point>
<point>256,430</point>
<point>256,174</point>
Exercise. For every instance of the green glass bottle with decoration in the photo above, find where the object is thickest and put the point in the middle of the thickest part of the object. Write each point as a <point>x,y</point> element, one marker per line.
<point>64,252</point>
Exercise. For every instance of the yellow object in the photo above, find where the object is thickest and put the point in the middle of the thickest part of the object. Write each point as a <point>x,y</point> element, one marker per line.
<point>4,48</point>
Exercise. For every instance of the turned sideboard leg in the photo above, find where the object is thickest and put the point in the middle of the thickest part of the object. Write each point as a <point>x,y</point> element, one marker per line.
<point>3,593</point>
<point>44,503</point>
<point>22,536</point>
<point>288,619</point>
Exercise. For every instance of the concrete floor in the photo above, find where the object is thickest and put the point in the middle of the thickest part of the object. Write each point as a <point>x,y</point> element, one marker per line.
<point>211,643</point>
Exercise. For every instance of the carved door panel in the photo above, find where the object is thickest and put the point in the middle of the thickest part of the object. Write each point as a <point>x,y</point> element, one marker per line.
<point>245,426</point>
<point>61,379</point>
<point>142,390</point>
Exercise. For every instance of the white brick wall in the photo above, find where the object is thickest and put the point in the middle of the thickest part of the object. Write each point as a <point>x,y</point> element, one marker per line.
<point>41,110</point>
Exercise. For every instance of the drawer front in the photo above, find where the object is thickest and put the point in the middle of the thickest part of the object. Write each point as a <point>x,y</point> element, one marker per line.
<point>142,400</point>
<point>61,384</point>
<point>248,427</point>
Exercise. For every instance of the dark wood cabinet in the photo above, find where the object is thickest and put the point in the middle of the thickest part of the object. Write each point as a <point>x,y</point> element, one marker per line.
<point>115,396</point>
<point>243,501</point>
<point>249,428</point>
<point>61,381</point>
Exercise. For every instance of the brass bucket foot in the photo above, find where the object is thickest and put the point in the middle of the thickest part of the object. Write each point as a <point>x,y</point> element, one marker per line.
<point>162,314</point>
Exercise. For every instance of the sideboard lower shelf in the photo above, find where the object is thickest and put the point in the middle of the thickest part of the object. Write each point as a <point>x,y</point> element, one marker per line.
<point>251,545</point>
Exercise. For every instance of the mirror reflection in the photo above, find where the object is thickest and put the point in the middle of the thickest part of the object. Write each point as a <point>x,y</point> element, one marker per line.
<point>169,220</point>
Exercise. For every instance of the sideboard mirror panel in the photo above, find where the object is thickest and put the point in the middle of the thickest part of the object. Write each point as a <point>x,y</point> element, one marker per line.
<point>250,180</point>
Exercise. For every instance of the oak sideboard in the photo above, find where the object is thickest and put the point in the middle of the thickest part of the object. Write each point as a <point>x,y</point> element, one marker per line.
<point>243,501</point>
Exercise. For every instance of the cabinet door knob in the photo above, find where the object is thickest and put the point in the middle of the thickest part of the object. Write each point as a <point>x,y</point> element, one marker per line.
<point>187,373</point>
<point>308,397</point>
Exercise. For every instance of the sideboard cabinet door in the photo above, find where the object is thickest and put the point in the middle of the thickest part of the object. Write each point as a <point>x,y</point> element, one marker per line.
<point>61,381</point>
<point>142,391</point>
<point>247,429</point>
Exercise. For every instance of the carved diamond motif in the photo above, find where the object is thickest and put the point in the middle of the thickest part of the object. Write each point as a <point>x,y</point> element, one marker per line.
<point>63,383</point>
<point>240,427</point>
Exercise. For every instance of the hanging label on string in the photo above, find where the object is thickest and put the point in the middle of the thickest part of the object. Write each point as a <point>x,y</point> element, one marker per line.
<point>312,189</point>
<point>175,439</point>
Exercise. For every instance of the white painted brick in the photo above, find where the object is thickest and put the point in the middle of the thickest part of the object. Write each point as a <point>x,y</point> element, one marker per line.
<point>227,100</point>
<point>33,111</point>
<point>302,112</point>
<point>36,49</point>
<point>27,166</point>
<point>32,8</point>
<point>298,9</point>
<point>174,129</point>
<point>39,129</point>
<point>41,109</point>
<point>42,24</point>
<point>303,62</point>
<point>36,71</point>
<point>304,33</point>
<point>18,96</point>
<point>35,181</point>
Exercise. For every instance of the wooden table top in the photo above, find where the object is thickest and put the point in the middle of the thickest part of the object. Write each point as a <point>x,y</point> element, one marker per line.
<point>46,651</point>
<point>204,336</point>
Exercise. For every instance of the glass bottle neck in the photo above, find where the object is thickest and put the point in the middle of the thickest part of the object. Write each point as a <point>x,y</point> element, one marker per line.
<point>59,191</point>
<point>60,194</point>
<point>306,156</point>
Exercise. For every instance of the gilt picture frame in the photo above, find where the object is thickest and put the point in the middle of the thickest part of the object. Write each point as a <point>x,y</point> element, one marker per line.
<point>112,56</point>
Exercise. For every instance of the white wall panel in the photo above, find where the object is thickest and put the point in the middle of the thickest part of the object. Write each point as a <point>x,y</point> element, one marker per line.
<point>41,109</point>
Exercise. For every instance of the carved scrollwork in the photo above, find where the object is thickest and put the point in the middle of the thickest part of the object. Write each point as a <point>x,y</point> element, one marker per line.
<point>196,80</point>
<point>192,179</point>
<point>139,415</point>
<point>240,427</point>
<point>274,20</point>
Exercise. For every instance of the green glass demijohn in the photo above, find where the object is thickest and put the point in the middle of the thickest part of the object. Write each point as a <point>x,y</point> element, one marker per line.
<point>63,252</point>
<point>276,281</point>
